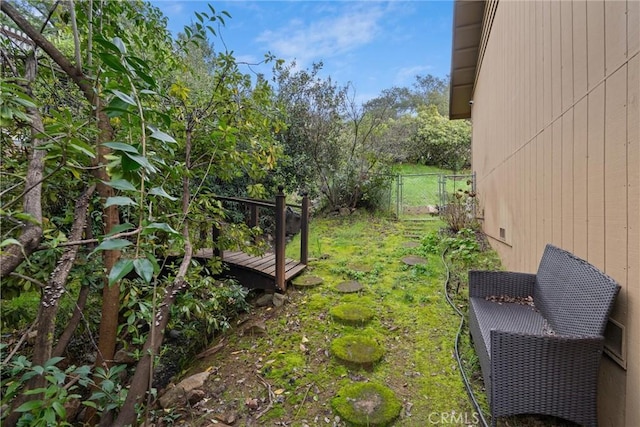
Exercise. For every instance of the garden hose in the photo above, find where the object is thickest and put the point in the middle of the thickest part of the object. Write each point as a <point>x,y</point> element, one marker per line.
<point>465,379</point>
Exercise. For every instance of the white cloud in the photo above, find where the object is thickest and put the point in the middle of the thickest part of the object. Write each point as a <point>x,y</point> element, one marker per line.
<point>172,8</point>
<point>340,33</point>
<point>406,75</point>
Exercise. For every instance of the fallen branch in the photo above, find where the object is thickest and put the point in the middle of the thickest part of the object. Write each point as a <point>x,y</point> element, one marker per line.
<point>212,350</point>
<point>304,398</point>
<point>270,395</point>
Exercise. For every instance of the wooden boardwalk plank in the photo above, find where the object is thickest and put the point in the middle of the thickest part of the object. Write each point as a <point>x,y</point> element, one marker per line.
<point>264,265</point>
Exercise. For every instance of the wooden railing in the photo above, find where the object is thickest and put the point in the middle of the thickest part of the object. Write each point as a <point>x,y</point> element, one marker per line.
<point>279,207</point>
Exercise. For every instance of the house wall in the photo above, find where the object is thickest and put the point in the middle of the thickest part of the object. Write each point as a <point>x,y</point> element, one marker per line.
<point>556,150</point>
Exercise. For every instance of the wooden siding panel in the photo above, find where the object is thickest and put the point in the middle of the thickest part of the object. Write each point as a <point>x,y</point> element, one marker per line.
<point>556,60</point>
<point>568,184</point>
<point>525,219</point>
<point>595,42</point>
<point>615,170</point>
<point>595,180</point>
<point>633,253</point>
<point>615,14</point>
<point>548,185</point>
<point>541,207</point>
<point>633,30</point>
<point>579,49</point>
<point>566,32</point>
<point>539,37</point>
<point>533,220</point>
<point>580,176</point>
<point>557,188</point>
<point>547,92</point>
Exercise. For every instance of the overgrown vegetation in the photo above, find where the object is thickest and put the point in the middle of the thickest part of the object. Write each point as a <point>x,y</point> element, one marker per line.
<point>116,139</point>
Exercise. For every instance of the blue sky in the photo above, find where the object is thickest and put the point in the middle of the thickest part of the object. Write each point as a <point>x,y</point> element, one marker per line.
<point>372,44</point>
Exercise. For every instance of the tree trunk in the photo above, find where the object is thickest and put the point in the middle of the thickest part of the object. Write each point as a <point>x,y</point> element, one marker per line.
<point>31,234</point>
<point>111,293</point>
<point>143,377</point>
<point>49,304</point>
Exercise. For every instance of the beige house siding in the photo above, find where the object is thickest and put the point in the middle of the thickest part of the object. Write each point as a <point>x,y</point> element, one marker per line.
<point>556,150</point>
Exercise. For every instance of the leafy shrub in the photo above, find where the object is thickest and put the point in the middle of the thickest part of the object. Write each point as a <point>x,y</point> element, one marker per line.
<point>459,212</point>
<point>441,142</point>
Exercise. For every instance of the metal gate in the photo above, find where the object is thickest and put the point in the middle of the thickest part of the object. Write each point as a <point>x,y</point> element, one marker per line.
<point>420,196</point>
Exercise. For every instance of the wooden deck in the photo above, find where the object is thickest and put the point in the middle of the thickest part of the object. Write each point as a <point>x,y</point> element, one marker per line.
<point>254,272</point>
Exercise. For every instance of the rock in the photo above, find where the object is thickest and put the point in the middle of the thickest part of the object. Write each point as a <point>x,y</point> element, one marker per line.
<point>279,299</point>
<point>194,381</point>
<point>172,397</point>
<point>264,300</point>
<point>256,328</point>
<point>227,418</point>
<point>178,395</point>
<point>304,281</point>
<point>195,396</point>
<point>414,260</point>
<point>252,404</point>
<point>349,286</point>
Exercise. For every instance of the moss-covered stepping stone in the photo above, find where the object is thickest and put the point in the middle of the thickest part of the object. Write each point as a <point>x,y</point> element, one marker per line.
<point>411,244</point>
<point>303,281</point>
<point>414,260</point>
<point>349,286</point>
<point>360,268</point>
<point>367,404</point>
<point>351,314</point>
<point>357,351</point>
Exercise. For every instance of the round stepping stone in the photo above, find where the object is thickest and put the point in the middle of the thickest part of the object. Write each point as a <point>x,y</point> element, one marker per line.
<point>414,260</point>
<point>351,314</point>
<point>349,286</point>
<point>357,351</point>
<point>367,404</point>
<point>361,268</point>
<point>307,281</point>
<point>411,244</point>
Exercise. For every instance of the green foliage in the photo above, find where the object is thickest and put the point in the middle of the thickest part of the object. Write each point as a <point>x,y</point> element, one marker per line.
<point>329,141</point>
<point>441,142</point>
<point>48,408</point>
<point>61,386</point>
<point>206,308</point>
<point>13,102</point>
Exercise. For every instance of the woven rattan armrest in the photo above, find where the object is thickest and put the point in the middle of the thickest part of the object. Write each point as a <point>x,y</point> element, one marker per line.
<point>544,374</point>
<point>489,283</point>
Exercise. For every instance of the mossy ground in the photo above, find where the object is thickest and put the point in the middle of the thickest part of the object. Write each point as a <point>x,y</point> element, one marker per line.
<point>413,322</point>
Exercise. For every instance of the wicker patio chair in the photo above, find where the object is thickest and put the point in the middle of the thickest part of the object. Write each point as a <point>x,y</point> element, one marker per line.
<point>542,359</point>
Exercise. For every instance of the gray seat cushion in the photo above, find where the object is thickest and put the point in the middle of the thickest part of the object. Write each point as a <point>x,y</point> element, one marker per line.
<point>509,317</point>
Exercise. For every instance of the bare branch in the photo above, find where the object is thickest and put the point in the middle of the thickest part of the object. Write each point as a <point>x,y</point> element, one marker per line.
<point>28,279</point>
<point>76,36</point>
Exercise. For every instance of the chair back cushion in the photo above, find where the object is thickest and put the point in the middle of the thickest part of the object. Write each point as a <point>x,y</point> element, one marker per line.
<point>574,296</point>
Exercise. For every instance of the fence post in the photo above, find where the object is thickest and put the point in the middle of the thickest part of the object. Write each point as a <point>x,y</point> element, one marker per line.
<point>304,230</point>
<point>254,219</point>
<point>215,236</point>
<point>280,239</point>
